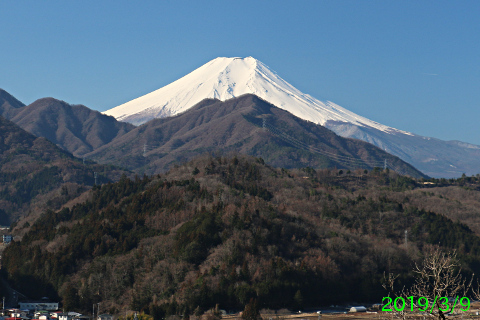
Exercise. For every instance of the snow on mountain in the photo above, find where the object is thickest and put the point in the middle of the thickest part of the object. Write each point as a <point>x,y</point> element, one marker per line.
<point>226,78</point>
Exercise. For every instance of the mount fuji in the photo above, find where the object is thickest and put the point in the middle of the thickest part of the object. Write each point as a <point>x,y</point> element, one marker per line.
<point>226,78</point>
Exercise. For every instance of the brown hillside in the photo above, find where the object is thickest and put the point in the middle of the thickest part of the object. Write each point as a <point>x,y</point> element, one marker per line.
<point>74,128</point>
<point>236,125</point>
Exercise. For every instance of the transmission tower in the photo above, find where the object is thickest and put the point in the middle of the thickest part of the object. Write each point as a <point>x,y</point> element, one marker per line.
<point>95,174</point>
<point>144,149</point>
<point>264,124</point>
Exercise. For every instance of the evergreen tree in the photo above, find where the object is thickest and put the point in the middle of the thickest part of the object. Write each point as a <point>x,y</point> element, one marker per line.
<point>251,311</point>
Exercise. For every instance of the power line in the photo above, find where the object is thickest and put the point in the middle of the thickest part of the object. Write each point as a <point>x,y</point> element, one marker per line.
<point>346,160</point>
<point>302,145</point>
<point>314,149</point>
<point>339,158</point>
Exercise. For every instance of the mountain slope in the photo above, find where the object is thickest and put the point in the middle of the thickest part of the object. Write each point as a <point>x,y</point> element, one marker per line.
<point>74,128</point>
<point>236,125</point>
<point>36,175</point>
<point>236,229</point>
<point>437,158</point>
<point>225,78</point>
<point>9,105</point>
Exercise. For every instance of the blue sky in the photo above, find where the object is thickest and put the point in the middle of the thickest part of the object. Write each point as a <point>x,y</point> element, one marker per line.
<point>413,65</point>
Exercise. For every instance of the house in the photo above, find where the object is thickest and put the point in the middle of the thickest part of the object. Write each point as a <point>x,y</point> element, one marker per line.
<point>71,316</point>
<point>18,314</point>
<point>64,316</point>
<point>41,315</point>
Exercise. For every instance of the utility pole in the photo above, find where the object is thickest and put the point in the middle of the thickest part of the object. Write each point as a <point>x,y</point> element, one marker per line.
<point>406,238</point>
<point>385,165</point>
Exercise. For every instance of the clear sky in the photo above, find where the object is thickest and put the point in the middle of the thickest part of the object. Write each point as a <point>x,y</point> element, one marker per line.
<point>412,65</point>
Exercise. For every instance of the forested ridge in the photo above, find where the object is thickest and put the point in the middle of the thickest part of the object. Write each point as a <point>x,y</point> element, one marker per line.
<point>35,174</point>
<point>246,125</point>
<point>223,230</point>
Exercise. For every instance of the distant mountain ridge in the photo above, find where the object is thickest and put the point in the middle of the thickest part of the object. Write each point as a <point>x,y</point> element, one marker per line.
<point>75,128</point>
<point>226,78</point>
<point>228,128</point>
<point>247,125</point>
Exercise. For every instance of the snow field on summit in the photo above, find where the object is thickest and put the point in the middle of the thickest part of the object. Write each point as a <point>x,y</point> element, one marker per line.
<point>226,78</point>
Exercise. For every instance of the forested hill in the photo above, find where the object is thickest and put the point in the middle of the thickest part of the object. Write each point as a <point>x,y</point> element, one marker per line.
<point>224,230</point>
<point>36,174</point>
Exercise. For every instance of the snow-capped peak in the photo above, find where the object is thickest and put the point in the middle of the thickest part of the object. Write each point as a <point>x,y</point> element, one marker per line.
<point>224,78</point>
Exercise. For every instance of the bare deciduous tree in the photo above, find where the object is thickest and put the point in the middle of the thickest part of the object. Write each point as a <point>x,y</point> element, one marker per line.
<point>437,280</point>
<point>440,276</point>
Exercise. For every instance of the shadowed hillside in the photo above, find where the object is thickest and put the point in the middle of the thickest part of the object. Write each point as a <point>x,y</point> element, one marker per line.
<point>36,174</point>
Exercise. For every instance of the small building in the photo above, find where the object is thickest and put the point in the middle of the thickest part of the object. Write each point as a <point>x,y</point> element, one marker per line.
<point>37,305</point>
<point>64,316</point>
<point>41,313</point>
<point>71,316</point>
<point>7,238</point>
<point>358,309</point>
<point>104,317</point>
<point>74,314</point>
<point>19,314</point>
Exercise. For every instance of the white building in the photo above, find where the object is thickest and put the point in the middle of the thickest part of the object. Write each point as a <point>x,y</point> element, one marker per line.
<point>35,305</point>
<point>358,309</point>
